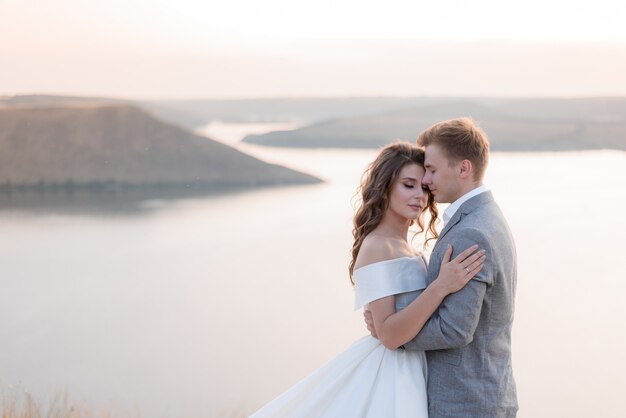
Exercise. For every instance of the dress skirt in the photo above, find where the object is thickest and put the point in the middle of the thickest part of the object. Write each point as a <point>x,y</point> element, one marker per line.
<point>366,380</point>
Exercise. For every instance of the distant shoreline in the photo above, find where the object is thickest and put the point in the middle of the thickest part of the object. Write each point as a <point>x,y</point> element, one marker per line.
<point>121,187</point>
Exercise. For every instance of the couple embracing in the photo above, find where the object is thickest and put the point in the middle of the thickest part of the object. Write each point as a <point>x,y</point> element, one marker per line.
<point>440,343</point>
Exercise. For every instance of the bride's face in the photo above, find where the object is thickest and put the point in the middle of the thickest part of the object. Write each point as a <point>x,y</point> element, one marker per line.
<point>407,197</point>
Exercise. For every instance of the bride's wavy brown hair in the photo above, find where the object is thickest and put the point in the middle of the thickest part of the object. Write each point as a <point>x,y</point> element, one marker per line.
<point>374,191</point>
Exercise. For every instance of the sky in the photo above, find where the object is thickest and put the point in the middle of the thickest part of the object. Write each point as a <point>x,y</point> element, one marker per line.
<point>278,48</point>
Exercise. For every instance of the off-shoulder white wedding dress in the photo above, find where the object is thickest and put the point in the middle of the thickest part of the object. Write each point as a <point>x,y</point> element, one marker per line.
<point>366,380</point>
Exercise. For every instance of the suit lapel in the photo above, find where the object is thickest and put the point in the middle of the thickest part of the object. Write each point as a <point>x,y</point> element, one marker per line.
<point>466,208</point>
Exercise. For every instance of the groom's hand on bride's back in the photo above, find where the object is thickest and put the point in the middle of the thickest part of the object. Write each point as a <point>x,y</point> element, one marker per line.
<point>369,321</point>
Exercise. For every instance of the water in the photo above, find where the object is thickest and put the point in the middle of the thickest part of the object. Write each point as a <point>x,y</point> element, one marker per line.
<point>212,305</point>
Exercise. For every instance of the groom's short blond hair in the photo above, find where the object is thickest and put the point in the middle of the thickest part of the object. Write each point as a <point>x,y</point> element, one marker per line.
<point>460,139</point>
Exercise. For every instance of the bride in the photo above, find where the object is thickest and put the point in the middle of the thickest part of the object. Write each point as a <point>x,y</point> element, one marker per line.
<point>377,377</point>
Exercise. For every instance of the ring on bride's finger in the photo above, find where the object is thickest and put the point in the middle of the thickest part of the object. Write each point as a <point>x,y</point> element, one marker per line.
<point>466,270</point>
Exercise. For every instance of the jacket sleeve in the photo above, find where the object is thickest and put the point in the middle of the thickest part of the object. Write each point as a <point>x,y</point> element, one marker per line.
<point>456,319</point>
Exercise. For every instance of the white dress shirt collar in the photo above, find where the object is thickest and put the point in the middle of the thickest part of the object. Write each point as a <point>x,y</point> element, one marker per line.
<point>451,210</point>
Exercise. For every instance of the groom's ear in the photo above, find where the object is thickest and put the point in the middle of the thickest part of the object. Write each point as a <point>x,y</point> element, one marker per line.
<point>466,169</point>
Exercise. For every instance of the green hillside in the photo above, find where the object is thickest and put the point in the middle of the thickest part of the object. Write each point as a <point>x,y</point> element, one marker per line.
<point>512,125</point>
<point>116,147</point>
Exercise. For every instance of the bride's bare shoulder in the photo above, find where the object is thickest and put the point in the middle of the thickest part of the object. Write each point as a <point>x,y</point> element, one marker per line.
<point>375,248</point>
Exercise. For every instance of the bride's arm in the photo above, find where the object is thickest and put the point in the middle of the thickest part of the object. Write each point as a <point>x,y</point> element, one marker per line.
<point>396,328</point>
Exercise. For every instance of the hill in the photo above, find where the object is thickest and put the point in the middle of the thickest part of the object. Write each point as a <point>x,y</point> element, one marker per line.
<point>119,146</point>
<point>194,113</point>
<point>49,100</point>
<point>512,125</point>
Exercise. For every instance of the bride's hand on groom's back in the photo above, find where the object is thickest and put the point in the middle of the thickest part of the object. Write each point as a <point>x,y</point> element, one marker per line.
<point>456,273</point>
<point>369,321</point>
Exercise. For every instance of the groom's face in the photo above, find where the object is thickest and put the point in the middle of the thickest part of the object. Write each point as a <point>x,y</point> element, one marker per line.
<point>441,175</point>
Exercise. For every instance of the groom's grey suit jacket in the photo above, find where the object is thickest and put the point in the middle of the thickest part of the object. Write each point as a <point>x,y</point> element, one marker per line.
<point>468,339</point>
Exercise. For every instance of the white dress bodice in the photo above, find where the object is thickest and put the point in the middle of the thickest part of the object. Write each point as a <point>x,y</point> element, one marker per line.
<point>403,277</point>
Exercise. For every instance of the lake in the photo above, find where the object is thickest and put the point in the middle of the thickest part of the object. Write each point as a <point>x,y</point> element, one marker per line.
<point>212,305</point>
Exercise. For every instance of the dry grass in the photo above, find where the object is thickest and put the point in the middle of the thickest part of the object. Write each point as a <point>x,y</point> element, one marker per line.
<point>24,405</point>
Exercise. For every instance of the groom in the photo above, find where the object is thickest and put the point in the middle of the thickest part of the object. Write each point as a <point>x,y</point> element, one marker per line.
<point>468,339</point>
